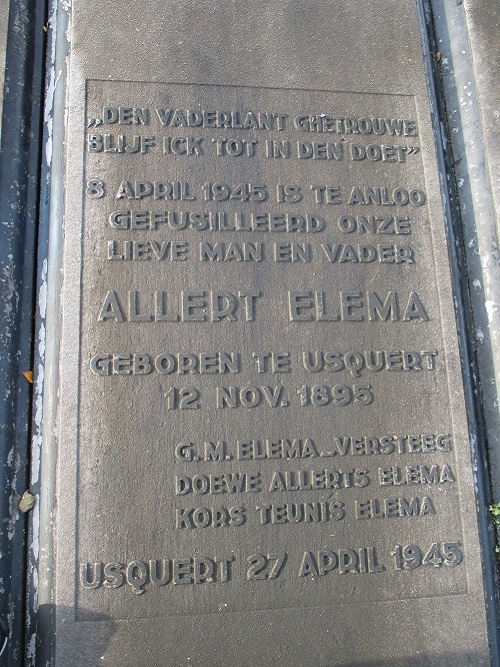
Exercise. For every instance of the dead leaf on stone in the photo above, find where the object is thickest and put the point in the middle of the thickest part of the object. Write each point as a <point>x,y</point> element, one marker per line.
<point>29,376</point>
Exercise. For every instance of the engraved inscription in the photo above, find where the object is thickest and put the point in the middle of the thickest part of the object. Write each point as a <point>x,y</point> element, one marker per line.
<point>267,371</point>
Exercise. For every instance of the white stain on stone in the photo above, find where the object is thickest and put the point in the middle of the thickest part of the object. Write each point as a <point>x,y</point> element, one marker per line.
<point>491,309</point>
<point>36,444</point>
<point>11,293</point>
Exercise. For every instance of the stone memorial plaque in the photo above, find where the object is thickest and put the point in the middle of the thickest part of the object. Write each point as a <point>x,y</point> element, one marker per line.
<point>263,454</point>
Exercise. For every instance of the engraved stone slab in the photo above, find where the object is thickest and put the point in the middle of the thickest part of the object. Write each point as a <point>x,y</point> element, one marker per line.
<point>263,451</point>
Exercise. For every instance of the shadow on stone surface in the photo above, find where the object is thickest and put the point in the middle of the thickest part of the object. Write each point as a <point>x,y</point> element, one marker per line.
<point>83,647</point>
<point>88,641</point>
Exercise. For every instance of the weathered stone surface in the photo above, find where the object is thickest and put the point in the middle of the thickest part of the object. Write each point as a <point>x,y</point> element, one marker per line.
<point>468,65</point>
<point>263,448</point>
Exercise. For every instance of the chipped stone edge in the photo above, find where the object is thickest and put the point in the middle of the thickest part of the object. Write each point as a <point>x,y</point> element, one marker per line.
<point>477,209</point>
<point>477,272</point>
